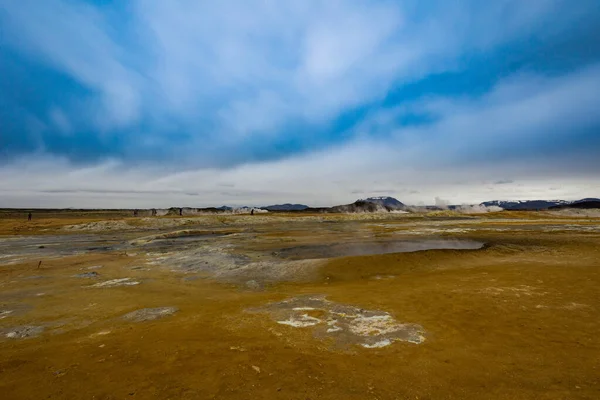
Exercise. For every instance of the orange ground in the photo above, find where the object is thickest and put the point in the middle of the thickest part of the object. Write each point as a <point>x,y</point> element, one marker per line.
<point>518,319</point>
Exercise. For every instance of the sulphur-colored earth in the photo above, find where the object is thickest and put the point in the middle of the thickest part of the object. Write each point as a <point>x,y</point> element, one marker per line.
<point>104,306</point>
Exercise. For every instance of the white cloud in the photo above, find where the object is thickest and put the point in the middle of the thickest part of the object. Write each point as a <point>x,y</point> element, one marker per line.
<point>237,69</point>
<point>60,120</point>
<point>248,67</point>
<point>412,171</point>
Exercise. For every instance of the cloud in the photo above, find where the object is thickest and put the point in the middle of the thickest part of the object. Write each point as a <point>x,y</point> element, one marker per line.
<point>439,202</point>
<point>326,177</point>
<point>296,101</point>
<point>240,72</point>
<point>443,168</point>
<point>60,121</point>
<point>73,37</point>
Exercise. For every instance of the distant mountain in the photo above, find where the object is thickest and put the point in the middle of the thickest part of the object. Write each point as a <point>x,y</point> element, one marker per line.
<point>581,204</point>
<point>586,200</point>
<point>286,207</point>
<point>533,204</point>
<point>389,203</point>
<point>357,206</point>
<point>372,204</point>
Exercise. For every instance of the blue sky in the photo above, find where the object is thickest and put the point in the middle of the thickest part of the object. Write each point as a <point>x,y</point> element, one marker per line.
<point>147,103</point>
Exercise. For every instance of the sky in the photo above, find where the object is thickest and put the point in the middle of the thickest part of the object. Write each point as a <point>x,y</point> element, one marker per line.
<point>146,103</point>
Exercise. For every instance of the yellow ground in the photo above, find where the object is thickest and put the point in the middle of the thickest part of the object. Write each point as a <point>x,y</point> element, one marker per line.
<point>518,319</point>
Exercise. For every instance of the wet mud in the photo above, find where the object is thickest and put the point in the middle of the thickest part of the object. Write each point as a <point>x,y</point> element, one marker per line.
<point>373,248</point>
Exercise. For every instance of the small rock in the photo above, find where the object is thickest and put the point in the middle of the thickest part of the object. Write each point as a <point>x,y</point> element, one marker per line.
<point>254,367</point>
<point>150,314</point>
<point>23,332</point>
<point>117,282</point>
<point>5,313</point>
<point>101,333</point>
<point>91,274</point>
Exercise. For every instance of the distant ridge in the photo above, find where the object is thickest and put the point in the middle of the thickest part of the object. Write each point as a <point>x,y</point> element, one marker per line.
<point>523,205</point>
<point>581,204</point>
<point>286,207</point>
<point>371,204</point>
<point>586,200</point>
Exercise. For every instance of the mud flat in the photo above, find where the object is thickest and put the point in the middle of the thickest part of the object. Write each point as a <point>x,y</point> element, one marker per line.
<point>373,248</point>
<point>494,306</point>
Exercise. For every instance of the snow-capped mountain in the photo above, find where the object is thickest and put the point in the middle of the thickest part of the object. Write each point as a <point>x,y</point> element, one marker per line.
<point>526,204</point>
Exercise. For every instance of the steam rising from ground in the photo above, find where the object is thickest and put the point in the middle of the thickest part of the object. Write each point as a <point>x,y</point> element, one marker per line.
<point>478,209</point>
<point>462,209</point>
